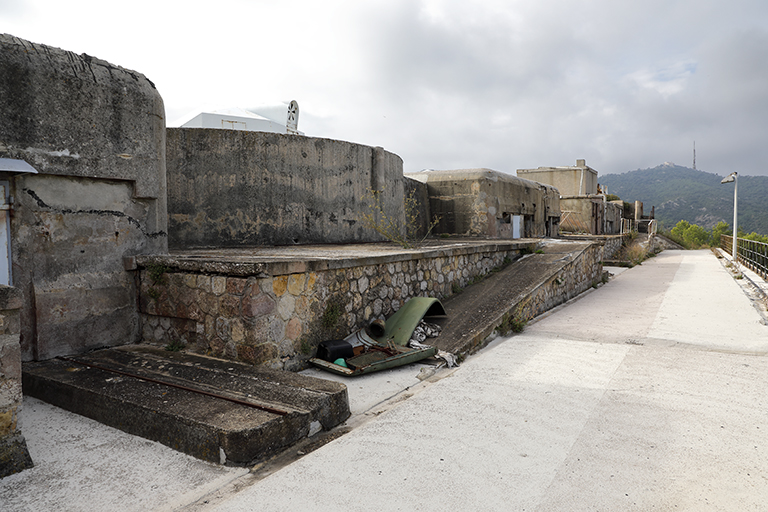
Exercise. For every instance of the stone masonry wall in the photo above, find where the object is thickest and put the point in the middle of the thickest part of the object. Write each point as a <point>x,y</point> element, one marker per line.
<point>581,273</point>
<point>14,456</point>
<point>610,244</point>
<point>278,319</point>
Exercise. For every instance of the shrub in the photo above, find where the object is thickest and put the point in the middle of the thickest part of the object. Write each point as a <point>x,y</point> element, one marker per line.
<point>406,236</point>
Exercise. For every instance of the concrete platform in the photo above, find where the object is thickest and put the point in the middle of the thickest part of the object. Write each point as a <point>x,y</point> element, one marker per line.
<point>215,410</point>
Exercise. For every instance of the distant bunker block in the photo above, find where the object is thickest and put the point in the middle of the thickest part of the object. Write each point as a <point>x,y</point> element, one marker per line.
<point>231,188</point>
<point>484,202</point>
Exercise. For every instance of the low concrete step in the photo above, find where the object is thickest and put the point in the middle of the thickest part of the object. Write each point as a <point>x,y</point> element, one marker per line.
<point>219,411</point>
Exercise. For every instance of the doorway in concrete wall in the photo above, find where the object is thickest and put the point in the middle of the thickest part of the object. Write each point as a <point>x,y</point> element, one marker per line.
<point>5,234</point>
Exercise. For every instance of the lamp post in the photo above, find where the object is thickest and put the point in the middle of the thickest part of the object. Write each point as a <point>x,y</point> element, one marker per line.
<point>733,178</point>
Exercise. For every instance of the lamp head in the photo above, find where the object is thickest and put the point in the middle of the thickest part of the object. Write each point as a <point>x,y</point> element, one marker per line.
<point>731,177</point>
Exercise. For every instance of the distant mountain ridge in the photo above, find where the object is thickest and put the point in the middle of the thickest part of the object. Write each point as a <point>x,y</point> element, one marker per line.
<point>682,193</point>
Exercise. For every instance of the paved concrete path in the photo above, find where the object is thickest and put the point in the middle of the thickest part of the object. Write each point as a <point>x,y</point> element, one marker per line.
<point>648,393</point>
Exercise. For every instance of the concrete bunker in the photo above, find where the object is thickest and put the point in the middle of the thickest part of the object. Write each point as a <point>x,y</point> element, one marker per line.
<point>488,203</point>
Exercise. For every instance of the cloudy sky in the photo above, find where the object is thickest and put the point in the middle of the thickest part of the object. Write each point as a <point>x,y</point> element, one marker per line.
<point>504,84</point>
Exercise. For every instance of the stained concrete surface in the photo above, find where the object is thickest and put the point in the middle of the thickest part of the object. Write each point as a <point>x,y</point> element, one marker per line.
<point>597,406</point>
<point>216,410</point>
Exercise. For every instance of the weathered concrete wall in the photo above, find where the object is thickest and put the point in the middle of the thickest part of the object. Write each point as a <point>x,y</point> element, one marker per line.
<point>481,202</point>
<point>277,314</point>
<point>14,456</point>
<point>578,180</point>
<point>95,132</point>
<point>613,214</point>
<point>417,206</point>
<point>231,188</point>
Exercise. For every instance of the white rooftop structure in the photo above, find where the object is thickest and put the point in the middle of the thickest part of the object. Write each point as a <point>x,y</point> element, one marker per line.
<point>281,118</point>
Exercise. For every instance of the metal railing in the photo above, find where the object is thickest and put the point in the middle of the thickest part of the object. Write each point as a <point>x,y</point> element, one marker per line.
<point>751,253</point>
<point>653,226</point>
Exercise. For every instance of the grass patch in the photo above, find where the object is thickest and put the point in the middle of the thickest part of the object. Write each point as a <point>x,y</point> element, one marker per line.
<point>156,273</point>
<point>175,346</point>
<point>331,315</point>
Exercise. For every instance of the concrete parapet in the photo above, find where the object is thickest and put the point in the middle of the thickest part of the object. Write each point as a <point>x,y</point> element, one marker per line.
<point>230,188</point>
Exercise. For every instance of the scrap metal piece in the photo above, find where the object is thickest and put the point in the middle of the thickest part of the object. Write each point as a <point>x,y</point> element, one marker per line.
<point>401,325</point>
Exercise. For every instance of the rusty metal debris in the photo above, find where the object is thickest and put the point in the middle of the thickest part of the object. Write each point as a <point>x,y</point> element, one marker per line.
<point>382,345</point>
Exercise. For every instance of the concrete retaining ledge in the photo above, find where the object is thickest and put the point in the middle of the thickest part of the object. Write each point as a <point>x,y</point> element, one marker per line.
<point>273,261</point>
<point>523,290</point>
<point>217,429</point>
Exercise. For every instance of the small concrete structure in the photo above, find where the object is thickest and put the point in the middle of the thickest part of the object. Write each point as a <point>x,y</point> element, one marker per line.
<point>488,203</point>
<point>230,188</point>
<point>590,214</point>
<point>577,180</point>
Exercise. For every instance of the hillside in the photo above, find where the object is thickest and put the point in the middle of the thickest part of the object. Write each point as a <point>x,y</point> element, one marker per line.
<point>681,193</point>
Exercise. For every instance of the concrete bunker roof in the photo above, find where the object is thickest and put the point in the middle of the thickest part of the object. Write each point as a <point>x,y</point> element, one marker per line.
<point>475,174</point>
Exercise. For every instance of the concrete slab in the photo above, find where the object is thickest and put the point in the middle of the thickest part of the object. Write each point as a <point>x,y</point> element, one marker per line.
<point>216,410</point>
<point>703,306</point>
<point>367,391</point>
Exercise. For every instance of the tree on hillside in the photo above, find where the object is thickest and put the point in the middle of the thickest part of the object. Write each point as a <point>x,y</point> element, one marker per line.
<point>690,235</point>
<point>721,228</point>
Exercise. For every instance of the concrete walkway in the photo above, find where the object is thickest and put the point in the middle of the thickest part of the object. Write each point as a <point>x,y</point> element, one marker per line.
<point>648,393</point>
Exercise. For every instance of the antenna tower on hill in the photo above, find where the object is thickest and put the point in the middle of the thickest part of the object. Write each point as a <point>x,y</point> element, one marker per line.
<point>694,155</point>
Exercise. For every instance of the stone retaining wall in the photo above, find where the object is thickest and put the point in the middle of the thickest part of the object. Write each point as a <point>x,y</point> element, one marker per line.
<point>278,315</point>
<point>577,276</point>
<point>14,456</point>
<point>610,244</point>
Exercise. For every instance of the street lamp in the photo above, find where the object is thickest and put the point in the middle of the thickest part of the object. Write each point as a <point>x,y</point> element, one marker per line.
<point>733,178</point>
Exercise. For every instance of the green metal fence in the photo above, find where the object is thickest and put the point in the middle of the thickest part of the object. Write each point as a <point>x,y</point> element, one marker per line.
<point>752,254</point>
